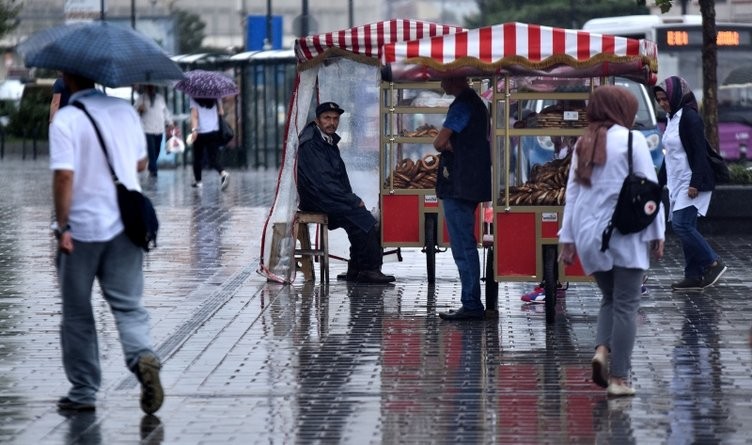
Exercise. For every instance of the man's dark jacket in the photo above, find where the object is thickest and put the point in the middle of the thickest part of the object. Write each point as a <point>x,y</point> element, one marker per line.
<point>465,172</point>
<point>323,184</point>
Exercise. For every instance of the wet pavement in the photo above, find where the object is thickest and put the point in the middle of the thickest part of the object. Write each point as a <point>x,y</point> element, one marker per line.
<point>246,361</point>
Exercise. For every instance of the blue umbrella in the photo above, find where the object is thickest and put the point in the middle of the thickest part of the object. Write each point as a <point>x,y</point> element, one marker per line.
<point>111,55</point>
<point>207,85</point>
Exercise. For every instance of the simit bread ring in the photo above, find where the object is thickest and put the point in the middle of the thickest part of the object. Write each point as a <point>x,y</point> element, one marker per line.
<point>430,162</point>
<point>405,166</point>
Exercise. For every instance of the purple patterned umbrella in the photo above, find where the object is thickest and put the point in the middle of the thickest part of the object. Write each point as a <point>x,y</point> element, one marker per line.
<point>207,84</point>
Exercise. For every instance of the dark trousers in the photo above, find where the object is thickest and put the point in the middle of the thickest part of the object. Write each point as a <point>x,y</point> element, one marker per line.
<point>153,144</point>
<point>365,247</point>
<point>208,142</point>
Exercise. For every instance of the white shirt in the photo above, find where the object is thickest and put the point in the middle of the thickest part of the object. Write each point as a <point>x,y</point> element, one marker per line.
<point>678,173</point>
<point>156,115</point>
<point>208,120</point>
<point>94,213</point>
<point>588,210</point>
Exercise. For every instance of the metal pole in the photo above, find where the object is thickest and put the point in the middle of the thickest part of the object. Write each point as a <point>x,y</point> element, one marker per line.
<point>268,24</point>
<point>350,20</point>
<point>304,19</point>
<point>133,14</point>
<point>101,10</point>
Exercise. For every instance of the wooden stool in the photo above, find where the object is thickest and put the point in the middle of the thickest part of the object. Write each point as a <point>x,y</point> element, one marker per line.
<point>306,253</point>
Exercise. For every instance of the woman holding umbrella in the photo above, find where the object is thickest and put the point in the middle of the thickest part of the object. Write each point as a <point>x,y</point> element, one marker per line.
<point>205,115</point>
<point>206,88</point>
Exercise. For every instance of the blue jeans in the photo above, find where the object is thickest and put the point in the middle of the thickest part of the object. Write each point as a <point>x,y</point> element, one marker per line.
<point>460,220</point>
<point>698,255</point>
<point>117,264</point>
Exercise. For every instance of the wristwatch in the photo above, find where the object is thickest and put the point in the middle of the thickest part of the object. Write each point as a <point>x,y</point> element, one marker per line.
<point>58,231</point>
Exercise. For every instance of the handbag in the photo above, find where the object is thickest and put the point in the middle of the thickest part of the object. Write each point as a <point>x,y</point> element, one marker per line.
<point>637,206</point>
<point>175,144</point>
<point>226,133</point>
<point>717,164</point>
<point>136,210</point>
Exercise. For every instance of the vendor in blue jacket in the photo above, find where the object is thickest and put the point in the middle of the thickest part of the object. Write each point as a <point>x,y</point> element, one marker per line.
<point>323,186</point>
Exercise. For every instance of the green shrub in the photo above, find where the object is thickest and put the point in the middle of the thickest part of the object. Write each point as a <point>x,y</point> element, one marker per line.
<point>740,174</point>
<point>32,118</point>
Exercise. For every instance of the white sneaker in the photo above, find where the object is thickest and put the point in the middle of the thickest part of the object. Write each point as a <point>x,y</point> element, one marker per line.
<point>223,180</point>
<point>197,184</point>
<point>620,390</point>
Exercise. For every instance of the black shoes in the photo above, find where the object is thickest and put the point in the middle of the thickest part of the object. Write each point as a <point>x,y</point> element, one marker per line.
<point>374,277</point>
<point>66,404</point>
<point>713,273</point>
<point>462,314</point>
<point>688,283</point>
<point>350,275</point>
<point>147,372</point>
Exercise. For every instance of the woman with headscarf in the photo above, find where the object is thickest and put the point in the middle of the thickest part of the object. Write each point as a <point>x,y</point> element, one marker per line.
<point>599,166</point>
<point>690,180</point>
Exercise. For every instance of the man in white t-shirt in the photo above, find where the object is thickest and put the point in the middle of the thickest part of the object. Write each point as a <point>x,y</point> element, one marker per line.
<point>92,243</point>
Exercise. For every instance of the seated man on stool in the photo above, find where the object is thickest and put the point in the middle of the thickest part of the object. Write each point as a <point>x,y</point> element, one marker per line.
<point>323,186</point>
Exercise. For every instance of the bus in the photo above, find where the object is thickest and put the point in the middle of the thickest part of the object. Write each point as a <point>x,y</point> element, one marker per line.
<point>679,42</point>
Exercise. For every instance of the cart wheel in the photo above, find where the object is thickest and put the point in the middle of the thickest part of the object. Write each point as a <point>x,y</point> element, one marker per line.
<point>430,247</point>
<point>549,281</point>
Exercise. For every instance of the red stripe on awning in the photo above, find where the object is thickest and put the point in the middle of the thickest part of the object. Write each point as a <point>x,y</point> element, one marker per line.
<point>354,43</point>
<point>533,42</point>
<point>437,48</point>
<point>389,53</point>
<point>392,32</point>
<point>608,44</point>
<point>317,43</point>
<point>510,40</point>
<point>413,48</point>
<point>367,39</point>
<point>341,39</point>
<point>583,46</point>
<point>460,45</point>
<point>485,46</point>
<point>633,47</point>
<point>406,30</point>
<point>559,37</point>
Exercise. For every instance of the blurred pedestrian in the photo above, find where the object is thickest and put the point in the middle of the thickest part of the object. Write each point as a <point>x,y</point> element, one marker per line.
<point>324,186</point>
<point>60,96</point>
<point>205,137</point>
<point>599,166</point>
<point>92,243</point>
<point>155,118</point>
<point>690,180</point>
<point>463,182</point>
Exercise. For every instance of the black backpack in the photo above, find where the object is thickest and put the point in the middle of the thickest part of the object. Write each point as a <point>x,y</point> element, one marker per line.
<point>637,206</point>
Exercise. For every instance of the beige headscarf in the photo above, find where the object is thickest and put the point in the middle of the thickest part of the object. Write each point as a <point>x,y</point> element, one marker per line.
<point>608,105</point>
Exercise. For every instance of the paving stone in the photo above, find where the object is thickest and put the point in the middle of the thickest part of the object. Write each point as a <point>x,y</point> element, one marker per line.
<point>246,361</point>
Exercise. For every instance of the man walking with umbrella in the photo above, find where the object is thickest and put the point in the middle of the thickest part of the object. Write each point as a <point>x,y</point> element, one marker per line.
<point>88,224</point>
<point>92,243</point>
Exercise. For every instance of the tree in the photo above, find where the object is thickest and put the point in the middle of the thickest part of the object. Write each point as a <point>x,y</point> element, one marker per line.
<point>559,13</point>
<point>709,66</point>
<point>190,31</point>
<point>9,11</point>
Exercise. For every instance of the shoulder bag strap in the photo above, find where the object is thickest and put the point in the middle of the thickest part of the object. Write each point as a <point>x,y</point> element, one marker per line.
<point>81,107</point>
<point>629,152</point>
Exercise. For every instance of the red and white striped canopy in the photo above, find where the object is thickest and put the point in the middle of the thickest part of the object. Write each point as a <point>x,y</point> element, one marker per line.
<point>366,41</point>
<point>521,48</point>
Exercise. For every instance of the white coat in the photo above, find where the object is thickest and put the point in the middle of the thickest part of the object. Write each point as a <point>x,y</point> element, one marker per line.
<point>588,210</point>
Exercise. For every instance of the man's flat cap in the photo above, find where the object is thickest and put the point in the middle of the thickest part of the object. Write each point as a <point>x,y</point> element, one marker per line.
<point>328,106</point>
